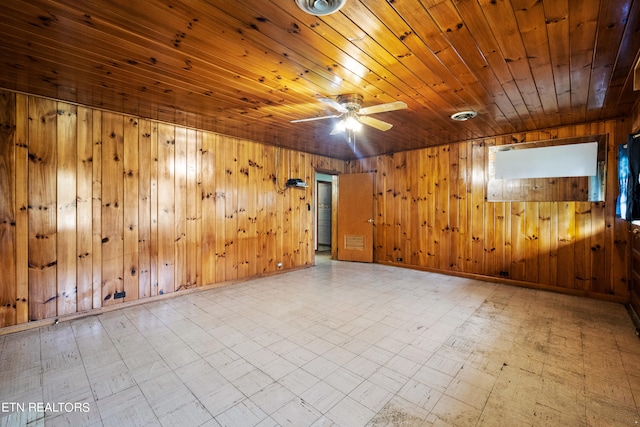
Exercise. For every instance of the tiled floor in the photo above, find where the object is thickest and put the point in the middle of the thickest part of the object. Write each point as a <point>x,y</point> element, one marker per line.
<point>342,344</point>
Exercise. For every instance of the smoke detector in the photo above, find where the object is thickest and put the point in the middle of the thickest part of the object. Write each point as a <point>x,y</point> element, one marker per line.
<point>464,115</point>
<point>320,7</point>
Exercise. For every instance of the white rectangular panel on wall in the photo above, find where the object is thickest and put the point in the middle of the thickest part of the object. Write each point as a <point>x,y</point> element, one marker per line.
<point>548,162</point>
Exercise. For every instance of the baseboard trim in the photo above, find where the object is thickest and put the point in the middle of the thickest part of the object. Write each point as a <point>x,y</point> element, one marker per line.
<point>523,284</point>
<point>126,304</point>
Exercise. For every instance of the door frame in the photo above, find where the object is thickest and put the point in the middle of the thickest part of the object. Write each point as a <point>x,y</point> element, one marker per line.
<point>334,213</point>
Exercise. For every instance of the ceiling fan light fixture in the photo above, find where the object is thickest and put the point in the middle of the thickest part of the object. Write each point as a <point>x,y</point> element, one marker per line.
<point>320,7</point>
<point>352,123</point>
<point>463,115</point>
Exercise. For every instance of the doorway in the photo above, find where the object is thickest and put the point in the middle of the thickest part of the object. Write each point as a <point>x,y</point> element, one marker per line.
<point>324,213</point>
<point>351,238</point>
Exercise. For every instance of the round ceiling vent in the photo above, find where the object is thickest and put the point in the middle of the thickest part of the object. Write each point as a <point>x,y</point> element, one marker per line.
<point>320,7</point>
<point>464,115</point>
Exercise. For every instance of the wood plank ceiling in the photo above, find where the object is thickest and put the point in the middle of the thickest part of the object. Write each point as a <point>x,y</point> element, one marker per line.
<point>246,68</point>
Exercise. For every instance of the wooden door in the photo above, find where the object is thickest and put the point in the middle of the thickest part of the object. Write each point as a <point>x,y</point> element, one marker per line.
<point>634,273</point>
<point>355,217</point>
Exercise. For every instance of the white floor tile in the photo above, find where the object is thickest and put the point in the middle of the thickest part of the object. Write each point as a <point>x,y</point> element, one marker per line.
<point>371,395</point>
<point>322,396</point>
<point>297,413</point>
<point>298,381</point>
<point>272,397</point>
<point>245,413</point>
<point>349,412</point>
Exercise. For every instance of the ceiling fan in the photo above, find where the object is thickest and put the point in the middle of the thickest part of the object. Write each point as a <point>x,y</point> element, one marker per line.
<point>353,116</point>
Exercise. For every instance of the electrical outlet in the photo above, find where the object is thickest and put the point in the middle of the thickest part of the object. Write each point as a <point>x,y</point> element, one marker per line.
<point>119,295</point>
<point>399,259</point>
<point>504,273</point>
<point>279,265</point>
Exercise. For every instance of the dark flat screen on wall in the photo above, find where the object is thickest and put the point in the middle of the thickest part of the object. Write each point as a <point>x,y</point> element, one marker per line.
<point>623,178</point>
<point>628,203</point>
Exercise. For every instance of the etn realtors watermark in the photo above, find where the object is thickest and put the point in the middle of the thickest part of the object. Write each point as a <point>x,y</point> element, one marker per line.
<point>51,407</point>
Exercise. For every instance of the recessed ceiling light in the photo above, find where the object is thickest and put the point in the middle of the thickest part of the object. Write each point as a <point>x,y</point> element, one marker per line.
<point>464,115</point>
<point>320,7</point>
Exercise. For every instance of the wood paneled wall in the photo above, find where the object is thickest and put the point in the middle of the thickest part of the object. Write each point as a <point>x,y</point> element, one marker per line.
<point>432,213</point>
<point>94,203</point>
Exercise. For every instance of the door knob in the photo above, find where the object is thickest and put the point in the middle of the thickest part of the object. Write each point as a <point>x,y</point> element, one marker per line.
<point>370,221</point>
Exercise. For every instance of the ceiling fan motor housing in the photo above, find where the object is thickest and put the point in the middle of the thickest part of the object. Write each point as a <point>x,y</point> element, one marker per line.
<point>351,101</point>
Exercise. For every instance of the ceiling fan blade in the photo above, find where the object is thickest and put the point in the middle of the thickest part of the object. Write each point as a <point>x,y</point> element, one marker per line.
<point>375,123</point>
<point>333,104</point>
<point>390,106</point>
<point>311,119</point>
